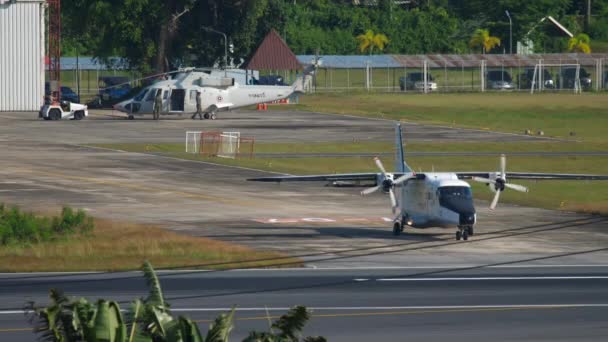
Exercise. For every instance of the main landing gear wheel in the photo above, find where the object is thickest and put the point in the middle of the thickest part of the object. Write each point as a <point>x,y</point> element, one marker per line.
<point>397,228</point>
<point>213,116</point>
<point>458,235</point>
<point>465,235</point>
<point>470,230</point>
<point>130,117</point>
<point>206,115</point>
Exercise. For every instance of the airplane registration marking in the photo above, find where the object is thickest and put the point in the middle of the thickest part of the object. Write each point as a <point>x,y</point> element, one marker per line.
<point>323,220</point>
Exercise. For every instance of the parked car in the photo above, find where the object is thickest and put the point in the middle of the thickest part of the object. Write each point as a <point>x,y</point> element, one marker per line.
<point>568,78</point>
<point>499,80</point>
<point>525,79</point>
<point>268,80</point>
<point>414,80</point>
<point>67,94</point>
<point>113,88</point>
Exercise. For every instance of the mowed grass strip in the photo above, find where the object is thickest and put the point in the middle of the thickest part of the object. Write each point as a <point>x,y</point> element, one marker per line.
<point>118,246</point>
<point>556,114</point>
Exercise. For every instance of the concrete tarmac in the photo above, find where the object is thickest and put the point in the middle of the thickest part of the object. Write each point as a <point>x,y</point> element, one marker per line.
<point>46,165</point>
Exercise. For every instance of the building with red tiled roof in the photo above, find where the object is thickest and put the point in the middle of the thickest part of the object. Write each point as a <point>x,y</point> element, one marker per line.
<point>273,54</point>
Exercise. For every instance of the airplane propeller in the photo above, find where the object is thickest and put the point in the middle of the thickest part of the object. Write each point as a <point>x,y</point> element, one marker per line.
<point>500,182</point>
<point>387,184</point>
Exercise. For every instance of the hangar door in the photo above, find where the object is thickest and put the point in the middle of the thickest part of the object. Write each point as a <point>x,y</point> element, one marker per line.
<point>21,55</point>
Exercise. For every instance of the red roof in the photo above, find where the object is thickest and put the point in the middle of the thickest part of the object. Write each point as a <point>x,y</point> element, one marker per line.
<point>273,54</point>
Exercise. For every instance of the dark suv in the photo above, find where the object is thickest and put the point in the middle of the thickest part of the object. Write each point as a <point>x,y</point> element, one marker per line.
<point>414,80</point>
<point>499,80</point>
<point>569,78</point>
<point>525,79</point>
<point>67,94</point>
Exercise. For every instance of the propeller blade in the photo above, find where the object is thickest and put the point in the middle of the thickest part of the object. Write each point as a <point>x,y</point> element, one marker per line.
<point>402,179</point>
<point>380,166</point>
<point>370,190</point>
<point>393,200</point>
<point>516,187</point>
<point>495,200</point>
<point>503,166</point>
<point>484,180</point>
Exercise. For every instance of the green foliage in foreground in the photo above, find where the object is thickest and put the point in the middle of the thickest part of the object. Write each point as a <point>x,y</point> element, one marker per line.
<point>147,320</point>
<point>17,226</point>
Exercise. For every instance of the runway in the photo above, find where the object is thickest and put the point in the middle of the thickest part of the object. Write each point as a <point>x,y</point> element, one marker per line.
<point>510,302</point>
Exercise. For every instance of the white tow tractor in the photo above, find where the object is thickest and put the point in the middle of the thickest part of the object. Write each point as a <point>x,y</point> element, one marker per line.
<point>63,110</point>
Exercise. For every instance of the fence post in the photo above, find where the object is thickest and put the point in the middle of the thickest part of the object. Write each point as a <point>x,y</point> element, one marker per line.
<point>483,78</point>
<point>425,75</point>
<point>598,74</point>
<point>347,78</point>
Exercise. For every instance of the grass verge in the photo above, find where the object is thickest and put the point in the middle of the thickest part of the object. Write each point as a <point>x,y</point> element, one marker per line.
<point>117,246</point>
<point>555,114</point>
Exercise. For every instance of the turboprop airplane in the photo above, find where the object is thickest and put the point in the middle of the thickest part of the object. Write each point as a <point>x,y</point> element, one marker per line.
<point>218,93</point>
<point>432,199</point>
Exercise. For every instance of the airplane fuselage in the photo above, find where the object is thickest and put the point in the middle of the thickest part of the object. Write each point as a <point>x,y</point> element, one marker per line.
<point>438,200</point>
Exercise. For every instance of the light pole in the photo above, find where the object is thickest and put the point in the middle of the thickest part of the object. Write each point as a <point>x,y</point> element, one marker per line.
<point>510,32</point>
<point>225,46</point>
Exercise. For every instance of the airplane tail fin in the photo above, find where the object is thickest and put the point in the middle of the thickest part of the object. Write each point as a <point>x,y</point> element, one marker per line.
<point>400,164</point>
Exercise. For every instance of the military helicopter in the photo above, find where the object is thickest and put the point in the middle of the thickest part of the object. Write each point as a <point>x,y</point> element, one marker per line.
<point>179,92</point>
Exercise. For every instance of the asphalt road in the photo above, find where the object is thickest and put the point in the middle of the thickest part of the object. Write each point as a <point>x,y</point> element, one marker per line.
<point>471,302</point>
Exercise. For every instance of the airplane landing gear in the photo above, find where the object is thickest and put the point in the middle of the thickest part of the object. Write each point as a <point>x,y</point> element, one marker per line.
<point>464,232</point>
<point>397,228</point>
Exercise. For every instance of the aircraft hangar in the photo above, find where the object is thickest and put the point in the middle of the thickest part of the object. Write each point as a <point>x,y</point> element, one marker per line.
<point>22,46</point>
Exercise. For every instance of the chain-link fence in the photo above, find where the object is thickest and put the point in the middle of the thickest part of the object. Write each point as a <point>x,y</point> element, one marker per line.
<point>466,75</point>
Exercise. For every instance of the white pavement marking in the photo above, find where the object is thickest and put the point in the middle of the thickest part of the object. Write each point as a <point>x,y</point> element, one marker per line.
<point>495,278</point>
<point>375,308</point>
<point>312,267</point>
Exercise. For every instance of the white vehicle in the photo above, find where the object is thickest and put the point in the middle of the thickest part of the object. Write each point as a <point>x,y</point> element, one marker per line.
<point>217,94</point>
<point>432,199</point>
<point>63,110</point>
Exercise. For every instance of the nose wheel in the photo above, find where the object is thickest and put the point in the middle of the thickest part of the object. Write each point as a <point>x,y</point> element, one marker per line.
<point>397,228</point>
<point>464,232</point>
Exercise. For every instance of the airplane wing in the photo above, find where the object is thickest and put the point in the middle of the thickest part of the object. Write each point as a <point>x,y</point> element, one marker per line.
<point>345,177</point>
<point>533,175</point>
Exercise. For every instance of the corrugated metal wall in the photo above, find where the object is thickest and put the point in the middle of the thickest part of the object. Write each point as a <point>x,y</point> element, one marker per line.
<point>21,55</point>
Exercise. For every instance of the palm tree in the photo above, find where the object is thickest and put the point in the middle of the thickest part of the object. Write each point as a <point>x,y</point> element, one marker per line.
<point>369,41</point>
<point>481,38</point>
<point>579,43</point>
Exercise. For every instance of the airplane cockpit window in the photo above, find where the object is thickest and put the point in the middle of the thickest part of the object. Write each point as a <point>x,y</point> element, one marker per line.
<point>455,191</point>
<point>141,95</point>
<point>151,95</point>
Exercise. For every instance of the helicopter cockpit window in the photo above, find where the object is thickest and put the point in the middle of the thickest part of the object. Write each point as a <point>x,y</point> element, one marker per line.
<point>455,191</point>
<point>151,95</point>
<point>141,95</point>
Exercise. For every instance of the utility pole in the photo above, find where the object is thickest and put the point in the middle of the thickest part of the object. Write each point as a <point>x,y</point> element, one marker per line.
<point>510,32</point>
<point>588,16</point>
<point>225,47</point>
